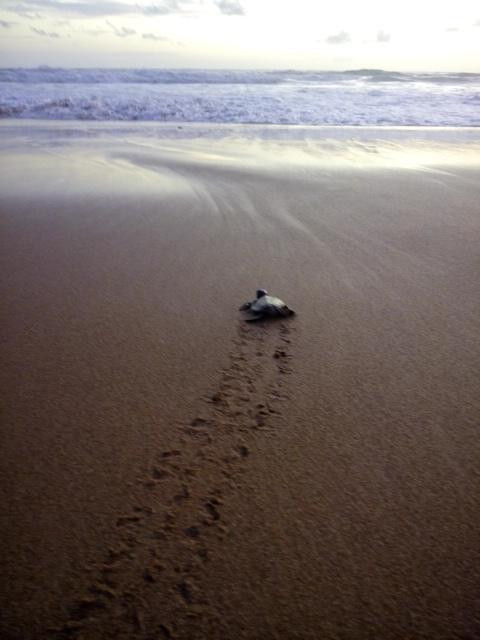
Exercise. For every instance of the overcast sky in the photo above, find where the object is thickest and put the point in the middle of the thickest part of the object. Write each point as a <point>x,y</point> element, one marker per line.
<point>412,35</point>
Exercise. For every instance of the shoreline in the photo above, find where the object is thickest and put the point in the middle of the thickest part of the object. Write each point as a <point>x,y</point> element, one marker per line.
<point>180,128</point>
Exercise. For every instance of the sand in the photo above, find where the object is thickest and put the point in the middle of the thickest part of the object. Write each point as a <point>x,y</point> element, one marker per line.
<point>169,471</point>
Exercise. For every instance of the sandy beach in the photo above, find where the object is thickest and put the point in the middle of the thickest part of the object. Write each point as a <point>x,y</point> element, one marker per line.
<point>170,471</point>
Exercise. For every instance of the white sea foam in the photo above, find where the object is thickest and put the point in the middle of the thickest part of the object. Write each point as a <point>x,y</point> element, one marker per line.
<point>363,97</point>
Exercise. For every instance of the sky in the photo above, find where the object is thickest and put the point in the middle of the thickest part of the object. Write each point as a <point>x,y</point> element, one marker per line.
<point>412,35</point>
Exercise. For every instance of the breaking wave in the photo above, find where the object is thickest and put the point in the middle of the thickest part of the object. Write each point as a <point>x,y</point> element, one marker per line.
<point>357,97</point>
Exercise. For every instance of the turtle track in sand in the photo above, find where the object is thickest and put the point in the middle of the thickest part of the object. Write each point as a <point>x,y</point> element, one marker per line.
<point>149,584</point>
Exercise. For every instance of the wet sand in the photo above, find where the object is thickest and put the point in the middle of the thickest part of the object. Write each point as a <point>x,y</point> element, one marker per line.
<point>169,471</point>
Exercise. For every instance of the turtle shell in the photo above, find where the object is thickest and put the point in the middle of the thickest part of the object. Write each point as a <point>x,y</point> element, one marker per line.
<point>266,304</point>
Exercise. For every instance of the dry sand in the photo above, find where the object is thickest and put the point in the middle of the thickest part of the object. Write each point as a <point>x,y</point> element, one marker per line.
<point>171,472</point>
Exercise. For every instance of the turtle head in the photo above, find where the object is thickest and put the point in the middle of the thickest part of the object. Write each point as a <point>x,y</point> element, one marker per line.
<point>261,293</point>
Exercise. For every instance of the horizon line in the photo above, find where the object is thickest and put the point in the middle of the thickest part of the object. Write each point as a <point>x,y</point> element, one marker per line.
<point>243,69</point>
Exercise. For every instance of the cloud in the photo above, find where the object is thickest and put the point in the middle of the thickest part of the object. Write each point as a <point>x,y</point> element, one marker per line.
<point>382,36</point>
<point>45,34</point>
<point>101,8</point>
<point>23,11</point>
<point>342,37</point>
<point>230,7</point>
<point>451,29</point>
<point>6,25</point>
<point>121,32</point>
<point>162,9</point>
<point>87,9</point>
<point>477,23</point>
<point>152,36</point>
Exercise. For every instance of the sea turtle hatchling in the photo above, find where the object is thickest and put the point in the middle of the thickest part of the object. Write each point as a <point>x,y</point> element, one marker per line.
<point>265,306</point>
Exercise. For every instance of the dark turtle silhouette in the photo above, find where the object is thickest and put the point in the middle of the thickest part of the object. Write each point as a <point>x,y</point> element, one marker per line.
<point>265,306</point>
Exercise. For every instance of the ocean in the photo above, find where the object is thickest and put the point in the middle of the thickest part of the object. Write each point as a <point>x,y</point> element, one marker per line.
<point>364,97</point>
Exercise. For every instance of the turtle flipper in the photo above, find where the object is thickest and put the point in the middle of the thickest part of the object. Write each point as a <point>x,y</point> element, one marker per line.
<point>285,312</point>
<point>245,306</point>
<point>255,318</point>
